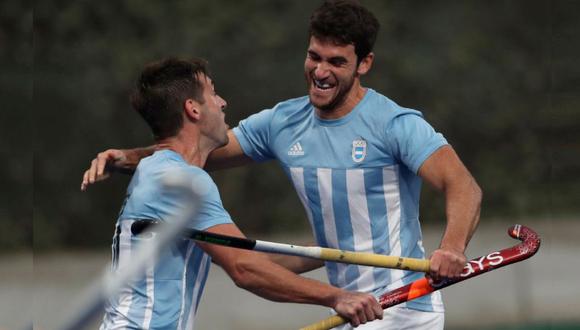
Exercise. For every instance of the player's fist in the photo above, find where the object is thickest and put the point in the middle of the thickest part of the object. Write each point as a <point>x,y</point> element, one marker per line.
<point>359,308</point>
<point>447,263</point>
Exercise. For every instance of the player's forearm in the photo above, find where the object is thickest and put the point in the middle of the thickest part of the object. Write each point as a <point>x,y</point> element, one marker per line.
<point>463,204</point>
<point>228,156</point>
<point>145,151</point>
<point>134,156</point>
<point>276,283</point>
<point>297,265</point>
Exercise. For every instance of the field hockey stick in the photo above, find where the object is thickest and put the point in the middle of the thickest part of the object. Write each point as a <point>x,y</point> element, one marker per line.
<point>315,252</point>
<point>529,246</point>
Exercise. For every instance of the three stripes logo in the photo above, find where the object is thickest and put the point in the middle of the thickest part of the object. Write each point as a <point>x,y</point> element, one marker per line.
<point>296,150</point>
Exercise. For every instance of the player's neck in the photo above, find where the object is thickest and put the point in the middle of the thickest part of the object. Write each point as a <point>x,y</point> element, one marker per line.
<point>352,99</point>
<point>188,145</point>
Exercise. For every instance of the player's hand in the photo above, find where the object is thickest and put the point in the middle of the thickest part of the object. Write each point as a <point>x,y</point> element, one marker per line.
<point>359,308</point>
<point>102,165</point>
<point>447,263</point>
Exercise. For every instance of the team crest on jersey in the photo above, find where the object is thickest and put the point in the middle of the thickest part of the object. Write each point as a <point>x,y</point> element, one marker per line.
<point>359,150</point>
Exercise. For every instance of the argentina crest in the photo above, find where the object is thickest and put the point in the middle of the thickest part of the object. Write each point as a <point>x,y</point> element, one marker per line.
<point>359,150</point>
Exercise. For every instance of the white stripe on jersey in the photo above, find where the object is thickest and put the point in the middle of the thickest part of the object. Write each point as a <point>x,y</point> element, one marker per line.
<point>200,278</point>
<point>150,289</point>
<point>190,246</point>
<point>361,224</point>
<point>325,192</point>
<point>126,294</point>
<point>297,174</point>
<point>393,200</point>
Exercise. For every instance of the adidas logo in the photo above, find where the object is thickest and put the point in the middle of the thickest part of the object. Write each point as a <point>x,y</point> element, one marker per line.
<point>296,150</point>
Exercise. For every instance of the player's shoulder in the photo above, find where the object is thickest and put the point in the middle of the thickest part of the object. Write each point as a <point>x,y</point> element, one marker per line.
<point>195,180</point>
<point>159,162</point>
<point>383,109</point>
<point>294,104</point>
<point>279,115</point>
<point>292,110</point>
<point>166,163</point>
<point>292,107</point>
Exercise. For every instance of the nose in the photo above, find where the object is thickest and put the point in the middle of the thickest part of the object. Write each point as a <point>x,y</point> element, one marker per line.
<point>321,71</point>
<point>223,102</point>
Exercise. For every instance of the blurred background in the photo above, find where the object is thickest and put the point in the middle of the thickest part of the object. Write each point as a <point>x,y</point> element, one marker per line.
<point>500,79</point>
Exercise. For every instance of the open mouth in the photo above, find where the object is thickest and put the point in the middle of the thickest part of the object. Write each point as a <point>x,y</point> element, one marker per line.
<point>321,85</point>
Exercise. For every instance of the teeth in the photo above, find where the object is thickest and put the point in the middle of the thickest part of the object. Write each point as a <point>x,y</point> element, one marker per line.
<point>321,85</point>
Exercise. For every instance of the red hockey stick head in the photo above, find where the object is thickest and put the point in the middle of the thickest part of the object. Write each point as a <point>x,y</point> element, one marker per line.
<point>529,246</point>
<point>530,239</point>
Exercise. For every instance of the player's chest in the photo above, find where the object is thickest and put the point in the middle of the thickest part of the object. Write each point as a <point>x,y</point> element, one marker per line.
<point>331,147</point>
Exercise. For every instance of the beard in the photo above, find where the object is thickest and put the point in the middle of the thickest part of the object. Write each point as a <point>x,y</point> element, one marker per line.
<point>344,87</point>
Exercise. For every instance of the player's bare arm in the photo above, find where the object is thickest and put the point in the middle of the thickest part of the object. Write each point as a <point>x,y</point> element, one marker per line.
<point>296,264</point>
<point>256,273</point>
<point>230,155</point>
<point>106,161</point>
<point>445,171</point>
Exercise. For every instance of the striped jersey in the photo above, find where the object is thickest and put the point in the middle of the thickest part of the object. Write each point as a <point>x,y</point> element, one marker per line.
<point>357,179</point>
<point>168,294</point>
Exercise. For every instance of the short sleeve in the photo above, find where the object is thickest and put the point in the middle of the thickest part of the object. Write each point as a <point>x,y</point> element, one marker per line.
<point>210,210</point>
<point>253,134</point>
<point>413,140</point>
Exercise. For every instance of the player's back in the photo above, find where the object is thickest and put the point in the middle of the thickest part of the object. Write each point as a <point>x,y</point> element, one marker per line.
<point>168,293</point>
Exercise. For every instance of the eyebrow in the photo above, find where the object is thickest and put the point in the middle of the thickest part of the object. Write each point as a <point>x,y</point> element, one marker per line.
<point>332,59</point>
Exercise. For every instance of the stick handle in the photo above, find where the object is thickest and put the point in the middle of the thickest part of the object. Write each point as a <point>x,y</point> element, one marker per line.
<point>376,260</point>
<point>329,323</point>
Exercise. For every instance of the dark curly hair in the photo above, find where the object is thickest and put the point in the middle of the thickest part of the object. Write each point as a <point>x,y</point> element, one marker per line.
<point>345,22</point>
<point>162,89</point>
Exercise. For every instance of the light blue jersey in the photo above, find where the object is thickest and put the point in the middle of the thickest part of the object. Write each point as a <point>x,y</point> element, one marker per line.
<point>357,179</point>
<point>168,295</point>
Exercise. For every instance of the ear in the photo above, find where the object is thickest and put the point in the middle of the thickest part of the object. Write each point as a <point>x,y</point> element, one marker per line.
<point>192,110</point>
<point>366,64</point>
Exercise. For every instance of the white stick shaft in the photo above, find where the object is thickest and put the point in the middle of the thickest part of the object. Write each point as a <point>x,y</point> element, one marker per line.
<point>293,250</point>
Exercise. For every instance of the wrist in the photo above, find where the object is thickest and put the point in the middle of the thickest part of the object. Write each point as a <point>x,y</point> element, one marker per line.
<point>453,242</point>
<point>455,247</point>
<point>332,298</point>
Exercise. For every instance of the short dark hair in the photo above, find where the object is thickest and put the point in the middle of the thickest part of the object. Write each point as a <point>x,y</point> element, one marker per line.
<point>162,89</point>
<point>345,22</point>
